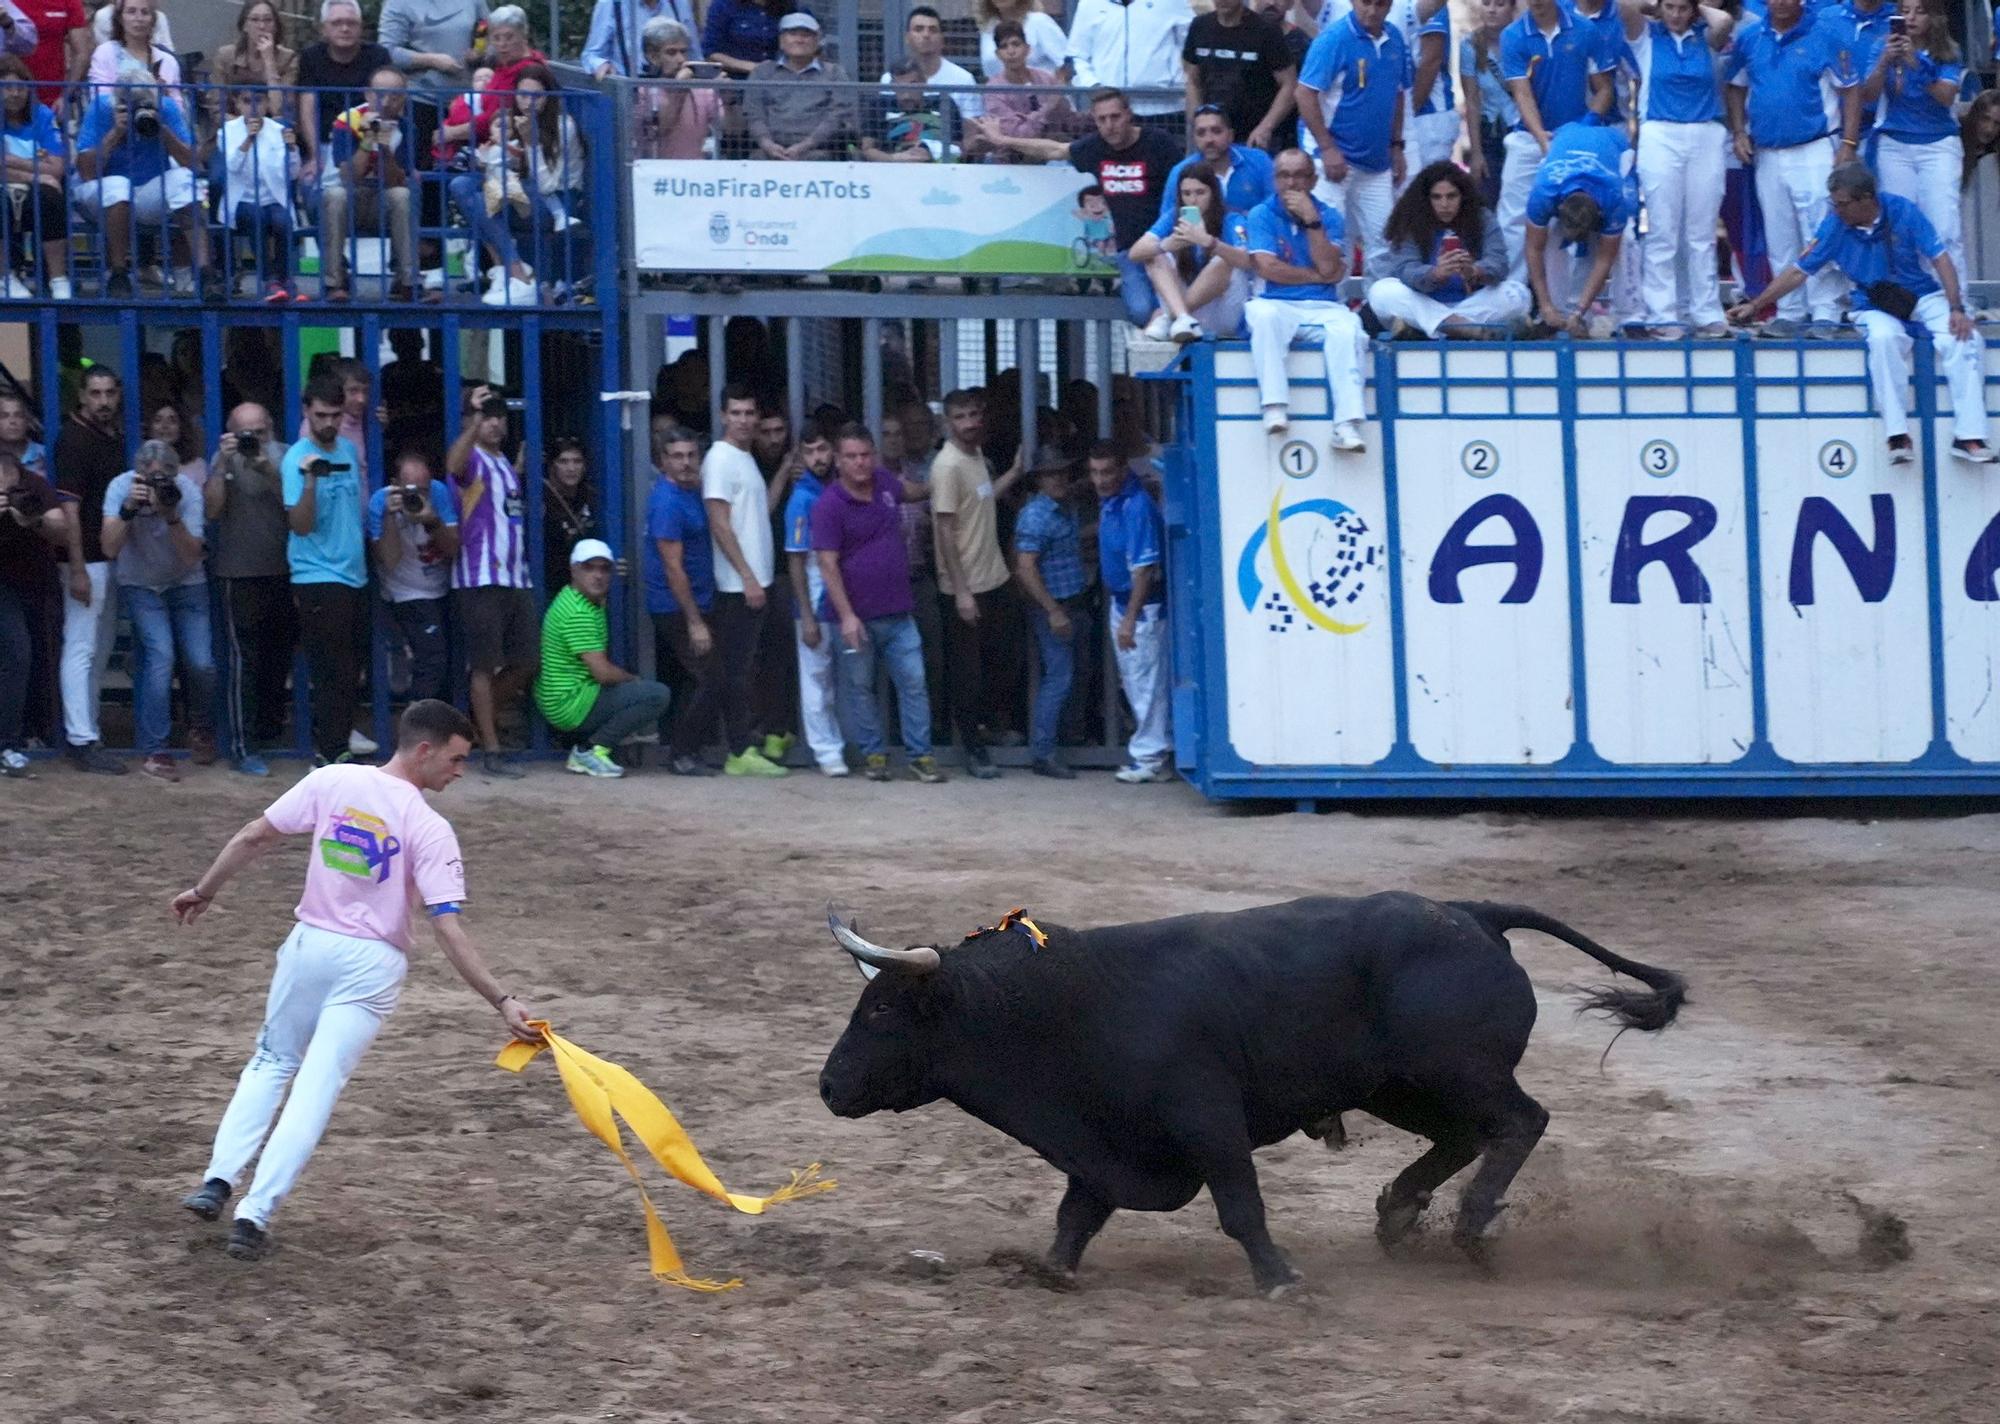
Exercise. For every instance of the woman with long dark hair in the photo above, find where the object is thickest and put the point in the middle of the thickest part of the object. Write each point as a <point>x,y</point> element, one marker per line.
<point>1918,152</point>
<point>1447,272</point>
<point>568,508</point>
<point>35,158</point>
<point>1202,272</point>
<point>1978,136</point>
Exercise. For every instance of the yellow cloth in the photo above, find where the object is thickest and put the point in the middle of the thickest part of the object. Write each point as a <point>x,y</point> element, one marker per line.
<point>598,1090</point>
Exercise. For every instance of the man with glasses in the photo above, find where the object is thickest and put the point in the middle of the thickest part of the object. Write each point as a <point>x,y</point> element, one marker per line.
<point>257,627</point>
<point>367,178</point>
<point>615,44</point>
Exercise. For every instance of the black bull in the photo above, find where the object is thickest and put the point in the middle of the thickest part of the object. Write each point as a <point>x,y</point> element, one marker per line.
<point>1147,1061</point>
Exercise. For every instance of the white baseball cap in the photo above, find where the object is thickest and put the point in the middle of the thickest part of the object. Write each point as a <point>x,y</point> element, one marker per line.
<point>590,550</point>
<point>799,20</point>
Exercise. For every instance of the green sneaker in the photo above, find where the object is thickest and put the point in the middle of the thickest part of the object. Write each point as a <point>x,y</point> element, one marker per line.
<point>594,761</point>
<point>878,767</point>
<point>751,762</point>
<point>925,769</point>
<point>776,746</point>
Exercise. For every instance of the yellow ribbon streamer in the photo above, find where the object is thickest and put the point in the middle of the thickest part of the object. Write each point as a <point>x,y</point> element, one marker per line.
<point>602,1092</point>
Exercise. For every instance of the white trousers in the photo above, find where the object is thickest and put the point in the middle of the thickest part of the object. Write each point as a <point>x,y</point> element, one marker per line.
<point>329,997</point>
<point>817,708</point>
<point>1143,673</point>
<point>1791,192</point>
<point>1927,174</point>
<point>1363,201</point>
<point>1344,346</point>
<point>86,651</point>
<point>1961,363</point>
<point>151,201</point>
<point>1501,304</point>
<point>1433,137</point>
<point>1517,180</point>
<point>1682,168</point>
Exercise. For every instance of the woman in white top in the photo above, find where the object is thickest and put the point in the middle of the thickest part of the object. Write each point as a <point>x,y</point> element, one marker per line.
<point>135,26</point>
<point>1048,46</point>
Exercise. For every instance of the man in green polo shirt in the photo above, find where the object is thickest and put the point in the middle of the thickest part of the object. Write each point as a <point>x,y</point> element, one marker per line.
<point>585,695</point>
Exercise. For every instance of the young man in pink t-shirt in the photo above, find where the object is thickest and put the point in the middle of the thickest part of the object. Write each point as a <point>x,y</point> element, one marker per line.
<point>379,848</point>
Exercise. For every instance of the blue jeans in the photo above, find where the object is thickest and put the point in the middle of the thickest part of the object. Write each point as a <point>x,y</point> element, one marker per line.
<point>1058,656</point>
<point>165,622</point>
<point>496,230</point>
<point>1136,288</point>
<point>269,230</point>
<point>900,648</point>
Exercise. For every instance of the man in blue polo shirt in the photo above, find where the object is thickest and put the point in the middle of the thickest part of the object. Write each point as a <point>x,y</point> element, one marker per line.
<point>1430,115</point>
<point>1775,70</point>
<point>817,711</point>
<point>1295,248</point>
<point>1351,100</point>
<point>1553,67</point>
<point>125,175</point>
<point>1586,189</point>
<point>1246,178</point>
<point>1882,243</point>
<point>679,565</point>
<point>1130,563</point>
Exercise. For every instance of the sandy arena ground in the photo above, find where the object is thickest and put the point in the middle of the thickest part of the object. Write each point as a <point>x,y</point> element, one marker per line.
<point>1699,1238</point>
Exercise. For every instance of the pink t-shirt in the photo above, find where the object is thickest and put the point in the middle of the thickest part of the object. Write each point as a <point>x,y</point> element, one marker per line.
<point>377,846</point>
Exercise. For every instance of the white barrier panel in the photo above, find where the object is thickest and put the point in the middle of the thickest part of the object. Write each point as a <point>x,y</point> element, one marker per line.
<point>1617,569</point>
<point>1307,571</point>
<point>1485,576</point>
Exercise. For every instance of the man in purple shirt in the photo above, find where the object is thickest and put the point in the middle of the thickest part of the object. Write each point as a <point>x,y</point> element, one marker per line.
<point>857,536</point>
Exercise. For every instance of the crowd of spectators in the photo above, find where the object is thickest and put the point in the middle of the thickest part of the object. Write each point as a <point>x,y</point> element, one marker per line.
<point>785,575</point>
<point>200,176</point>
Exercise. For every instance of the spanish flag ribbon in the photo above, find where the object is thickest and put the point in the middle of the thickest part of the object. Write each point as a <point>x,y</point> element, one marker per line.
<point>602,1092</point>
<point>1015,919</point>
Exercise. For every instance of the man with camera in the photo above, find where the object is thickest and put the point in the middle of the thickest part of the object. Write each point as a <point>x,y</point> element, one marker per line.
<point>493,594</point>
<point>366,180</point>
<point>321,483</point>
<point>135,159</point>
<point>33,525</point>
<point>244,505</point>
<point>152,535</point>
<point>413,534</point>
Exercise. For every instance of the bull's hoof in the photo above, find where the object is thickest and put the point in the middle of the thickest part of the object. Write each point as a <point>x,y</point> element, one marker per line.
<point>1396,1216</point>
<point>1331,1131</point>
<point>1281,1287</point>
<point>1475,1239</point>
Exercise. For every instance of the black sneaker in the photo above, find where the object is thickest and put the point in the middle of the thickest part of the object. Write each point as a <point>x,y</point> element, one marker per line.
<point>208,1202</point>
<point>118,284</point>
<point>690,766</point>
<point>92,758</point>
<point>979,765</point>
<point>247,1240</point>
<point>1054,770</point>
<point>496,764</point>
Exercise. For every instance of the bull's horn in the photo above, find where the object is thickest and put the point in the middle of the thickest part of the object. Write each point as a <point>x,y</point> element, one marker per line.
<point>873,957</point>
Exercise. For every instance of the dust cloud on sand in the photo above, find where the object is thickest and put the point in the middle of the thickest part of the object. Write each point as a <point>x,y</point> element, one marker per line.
<point>1782,1209</point>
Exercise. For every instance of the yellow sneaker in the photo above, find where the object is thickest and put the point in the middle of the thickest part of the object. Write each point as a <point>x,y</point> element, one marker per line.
<point>751,762</point>
<point>776,746</point>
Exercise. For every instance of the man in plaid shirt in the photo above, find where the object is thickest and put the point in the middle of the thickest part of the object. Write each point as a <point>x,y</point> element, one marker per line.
<point>1048,561</point>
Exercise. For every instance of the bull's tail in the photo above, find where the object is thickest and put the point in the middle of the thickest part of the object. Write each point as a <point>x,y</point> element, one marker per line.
<point>1651,1009</point>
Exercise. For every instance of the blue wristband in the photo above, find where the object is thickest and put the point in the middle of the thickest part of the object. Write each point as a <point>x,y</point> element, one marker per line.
<point>447,907</point>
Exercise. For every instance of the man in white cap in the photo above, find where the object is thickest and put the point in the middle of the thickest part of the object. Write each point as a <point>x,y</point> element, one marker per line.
<point>795,108</point>
<point>585,695</point>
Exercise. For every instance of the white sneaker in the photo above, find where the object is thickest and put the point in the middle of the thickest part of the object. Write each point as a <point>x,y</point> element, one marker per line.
<point>594,761</point>
<point>1973,452</point>
<point>833,768</point>
<point>1347,437</point>
<point>1277,419</point>
<point>1185,329</point>
<point>17,288</point>
<point>1133,773</point>
<point>184,282</point>
<point>361,744</point>
<point>1157,328</point>
<point>59,289</point>
<point>512,292</point>
<point>1903,453</point>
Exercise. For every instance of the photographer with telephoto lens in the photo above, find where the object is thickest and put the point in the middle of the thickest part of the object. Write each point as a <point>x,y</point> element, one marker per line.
<point>34,525</point>
<point>257,626</point>
<point>413,534</point>
<point>152,534</point>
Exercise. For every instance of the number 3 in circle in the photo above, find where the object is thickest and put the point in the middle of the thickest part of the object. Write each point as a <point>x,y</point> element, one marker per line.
<point>1659,458</point>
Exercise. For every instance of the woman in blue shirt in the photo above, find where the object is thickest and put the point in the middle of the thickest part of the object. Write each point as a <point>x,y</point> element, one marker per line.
<point>1202,271</point>
<point>34,162</point>
<point>1490,111</point>
<point>1916,78</point>
<point>1683,161</point>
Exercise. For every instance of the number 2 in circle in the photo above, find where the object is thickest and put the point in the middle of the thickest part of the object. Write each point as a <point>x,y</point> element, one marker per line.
<point>1479,459</point>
